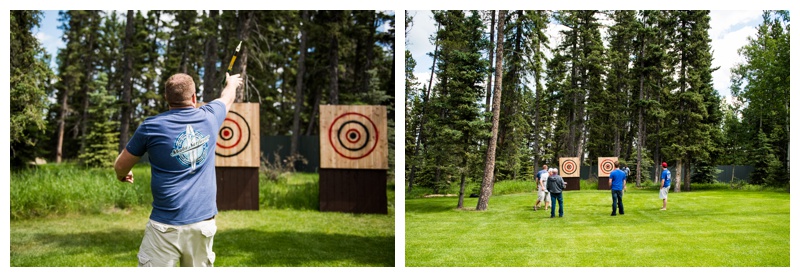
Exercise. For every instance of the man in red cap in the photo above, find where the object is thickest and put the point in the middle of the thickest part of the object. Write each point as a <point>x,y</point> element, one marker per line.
<point>666,179</point>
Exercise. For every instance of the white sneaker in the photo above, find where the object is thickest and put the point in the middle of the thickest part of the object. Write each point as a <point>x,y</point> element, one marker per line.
<point>663,209</point>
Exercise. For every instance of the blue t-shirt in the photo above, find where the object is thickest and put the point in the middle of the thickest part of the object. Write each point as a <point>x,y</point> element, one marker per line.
<point>539,175</point>
<point>617,179</point>
<point>667,177</point>
<point>181,145</point>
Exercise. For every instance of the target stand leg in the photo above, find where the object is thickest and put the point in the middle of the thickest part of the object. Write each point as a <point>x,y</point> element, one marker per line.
<point>602,183</point>
<point>237,188</point>
<point>353,190</point>
<point>573,183</point>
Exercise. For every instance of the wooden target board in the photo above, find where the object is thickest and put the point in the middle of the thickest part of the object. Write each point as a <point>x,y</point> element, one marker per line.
<point>569,167</point>
<point>238,142</point>
<point>237,158</point>
<point>353,137</point>
<point>605,165</point>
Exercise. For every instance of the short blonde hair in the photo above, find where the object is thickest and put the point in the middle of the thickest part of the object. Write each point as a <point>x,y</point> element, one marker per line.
<point>178,90</point>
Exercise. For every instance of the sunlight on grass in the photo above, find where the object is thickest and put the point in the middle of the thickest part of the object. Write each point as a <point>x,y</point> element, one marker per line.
<point>67,215</point>
<point>701,228</point>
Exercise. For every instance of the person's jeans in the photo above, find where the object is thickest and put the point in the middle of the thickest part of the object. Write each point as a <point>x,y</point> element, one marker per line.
<point>616,201</point>
<point>553,198</point>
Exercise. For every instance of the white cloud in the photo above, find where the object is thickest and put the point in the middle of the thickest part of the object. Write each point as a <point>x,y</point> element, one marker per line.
<point>42,37</point>
<point>419,45</point>
<point>729,32</point>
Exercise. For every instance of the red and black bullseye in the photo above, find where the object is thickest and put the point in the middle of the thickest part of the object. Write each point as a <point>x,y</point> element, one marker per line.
<point>607,166</point>
<point>352,135</point>
<point>569,167</point>
<point>226,133</point>
<point>233,134</point>
<point>355,137</point>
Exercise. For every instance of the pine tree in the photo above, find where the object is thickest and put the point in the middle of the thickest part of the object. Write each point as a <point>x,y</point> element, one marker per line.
<point>102,138</point>
<point>29,81</point>
<point>762,84</point>
<point>690,124</point>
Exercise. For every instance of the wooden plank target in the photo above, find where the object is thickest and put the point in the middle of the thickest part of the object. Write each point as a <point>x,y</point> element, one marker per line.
<point>605,165</point>
<point>238,139</point>
<point>569,167</point>
<point>353,137</point>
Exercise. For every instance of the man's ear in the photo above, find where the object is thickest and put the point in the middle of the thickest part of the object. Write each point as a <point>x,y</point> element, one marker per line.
<point>194,100</point>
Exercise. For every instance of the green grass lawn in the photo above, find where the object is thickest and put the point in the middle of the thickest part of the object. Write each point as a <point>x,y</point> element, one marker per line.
<point>712,227</point>
<point>52,225</point>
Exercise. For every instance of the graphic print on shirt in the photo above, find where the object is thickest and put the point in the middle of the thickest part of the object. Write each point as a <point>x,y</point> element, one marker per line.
<point>190,148</point>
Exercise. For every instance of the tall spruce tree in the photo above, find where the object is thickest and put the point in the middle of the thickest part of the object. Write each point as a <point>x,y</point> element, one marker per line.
<point>29,82</point>
<point>101,140</point>
<point>761,83</point>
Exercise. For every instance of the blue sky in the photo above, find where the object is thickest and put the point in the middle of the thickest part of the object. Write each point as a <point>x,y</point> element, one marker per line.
<point>729,32</point>
<point>49,35</point>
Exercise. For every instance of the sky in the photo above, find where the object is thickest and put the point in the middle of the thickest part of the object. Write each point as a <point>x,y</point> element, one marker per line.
<point>729,32</point>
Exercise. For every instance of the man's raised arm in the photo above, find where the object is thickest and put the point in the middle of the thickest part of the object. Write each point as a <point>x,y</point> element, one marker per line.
<point>229,92</point>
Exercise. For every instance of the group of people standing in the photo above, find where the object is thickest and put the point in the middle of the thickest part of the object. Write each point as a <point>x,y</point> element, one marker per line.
<point>550,185</point>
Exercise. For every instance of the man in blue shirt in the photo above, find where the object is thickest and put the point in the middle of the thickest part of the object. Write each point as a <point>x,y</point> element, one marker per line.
<point>617,182</point>
<point>181,143</point>
<point>542,193</point>
<point>666,180</point>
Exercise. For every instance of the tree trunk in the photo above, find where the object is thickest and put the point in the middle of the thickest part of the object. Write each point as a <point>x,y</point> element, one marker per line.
<point>299,99</point>
<point>62,119</point>
<point>243,35</point>
<point>488,172</point>
<point>317,97</point>
<point>87,79</point>
<point>370,46</point>
<point>210,65</point>
<point>333,59</point>
<point>464,171</point>
<point>153,55</point>
<point>678,175</point>
<point>640,136</point>
<point>491,61</point>
<point>688,181</point>
<point>127,83</point>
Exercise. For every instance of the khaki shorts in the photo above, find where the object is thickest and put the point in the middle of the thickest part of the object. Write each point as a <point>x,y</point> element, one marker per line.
<point>184,245</point>
<point>544,196</point>
<point>662,194</point>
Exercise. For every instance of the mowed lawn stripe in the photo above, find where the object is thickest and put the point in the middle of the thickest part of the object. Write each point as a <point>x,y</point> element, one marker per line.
<point>701,228</point>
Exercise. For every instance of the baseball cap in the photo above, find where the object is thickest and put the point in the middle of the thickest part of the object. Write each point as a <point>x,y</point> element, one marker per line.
<point>664,164</point>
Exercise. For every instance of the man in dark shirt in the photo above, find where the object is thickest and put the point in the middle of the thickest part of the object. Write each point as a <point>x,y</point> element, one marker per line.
<point>555,185</point>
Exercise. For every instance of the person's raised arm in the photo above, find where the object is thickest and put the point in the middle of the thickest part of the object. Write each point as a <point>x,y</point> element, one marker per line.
<point>123,166</point>
<point>229,92</point>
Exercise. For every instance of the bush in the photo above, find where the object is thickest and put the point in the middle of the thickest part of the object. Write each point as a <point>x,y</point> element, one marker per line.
<point>278,168</point>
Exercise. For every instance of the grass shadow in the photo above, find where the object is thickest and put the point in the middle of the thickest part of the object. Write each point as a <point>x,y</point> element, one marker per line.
<point>295,249</point>
<point>117,246</point>
<point>430,205</point>
<point>240,247</point>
